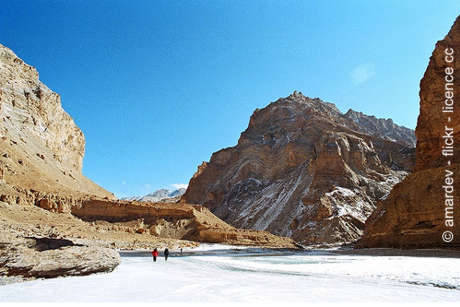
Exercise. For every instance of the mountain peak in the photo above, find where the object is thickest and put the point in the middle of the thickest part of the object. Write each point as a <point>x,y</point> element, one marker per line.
<point>302,169</point>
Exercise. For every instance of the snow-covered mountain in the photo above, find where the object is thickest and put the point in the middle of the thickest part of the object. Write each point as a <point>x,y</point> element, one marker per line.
<point>159,195</point>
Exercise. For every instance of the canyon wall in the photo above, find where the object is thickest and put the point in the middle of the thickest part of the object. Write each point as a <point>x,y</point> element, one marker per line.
<point>41,155</point>
<point>41,148</point>
<point>422,211</point>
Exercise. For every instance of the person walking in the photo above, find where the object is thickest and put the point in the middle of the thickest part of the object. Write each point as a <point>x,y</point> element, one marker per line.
<point>155,255</point>
<point>166,254</point>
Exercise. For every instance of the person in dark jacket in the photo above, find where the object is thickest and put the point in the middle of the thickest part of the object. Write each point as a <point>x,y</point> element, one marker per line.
<point>166,254</point>
<point>155,255</point>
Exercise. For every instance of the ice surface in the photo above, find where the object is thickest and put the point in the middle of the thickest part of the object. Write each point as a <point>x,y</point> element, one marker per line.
<point>217,273</point>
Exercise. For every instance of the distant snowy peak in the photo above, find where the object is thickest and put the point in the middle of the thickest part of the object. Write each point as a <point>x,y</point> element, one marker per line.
<point>156,196</point>
<point>384,128</point>
<point>177,193</point>
<point>159,195</point>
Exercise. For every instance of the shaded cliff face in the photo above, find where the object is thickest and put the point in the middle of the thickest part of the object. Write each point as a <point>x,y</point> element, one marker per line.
<point>301,169</point>
<point>419,209</point>
<point>41,148</point>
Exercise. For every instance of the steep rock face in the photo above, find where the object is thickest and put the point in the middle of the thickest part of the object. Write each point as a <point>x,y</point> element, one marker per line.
<point>417,210</point>
<point>383,128</point>
<point>434,90</point>
<point>301,169</point>
<point>41,147</point>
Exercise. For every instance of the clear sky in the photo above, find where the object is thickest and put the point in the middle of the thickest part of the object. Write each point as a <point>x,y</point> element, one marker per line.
<point>157,86</point>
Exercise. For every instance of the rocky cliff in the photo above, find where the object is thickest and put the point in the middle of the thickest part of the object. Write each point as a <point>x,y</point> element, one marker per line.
<point>41,152</point>
<point>45,198</point>
<point>382,128</point>
<point>439,92</point>
<point>41,148</point>
<point>423,207</point>
<point>302,169</point>
<point>175,221</point>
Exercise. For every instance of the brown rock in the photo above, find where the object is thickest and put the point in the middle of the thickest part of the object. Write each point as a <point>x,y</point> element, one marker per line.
<point>413,216</point>
<point>432,121</point>
<point>304,170</point>
<point>51,144</point>
<point>49,257</point>
<point>175,221</point>
<point>417,212</point>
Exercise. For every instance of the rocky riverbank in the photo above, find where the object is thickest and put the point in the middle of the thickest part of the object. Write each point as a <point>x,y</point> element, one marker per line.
<point>40,243</point>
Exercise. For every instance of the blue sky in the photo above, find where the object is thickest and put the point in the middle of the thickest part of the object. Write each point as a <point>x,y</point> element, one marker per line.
<point>157,86</point>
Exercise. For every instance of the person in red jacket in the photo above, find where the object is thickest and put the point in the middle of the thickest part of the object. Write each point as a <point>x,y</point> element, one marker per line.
<point>155,255</point>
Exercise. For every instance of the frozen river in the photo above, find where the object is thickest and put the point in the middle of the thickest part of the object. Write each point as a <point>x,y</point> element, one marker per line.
<point>220,273</point>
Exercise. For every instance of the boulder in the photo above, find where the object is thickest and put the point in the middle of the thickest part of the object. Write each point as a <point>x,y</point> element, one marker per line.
<point>33,257</point>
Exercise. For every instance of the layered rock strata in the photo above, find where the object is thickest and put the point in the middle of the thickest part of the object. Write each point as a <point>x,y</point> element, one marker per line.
<point>302,169</point>
<point>176,221</point>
